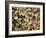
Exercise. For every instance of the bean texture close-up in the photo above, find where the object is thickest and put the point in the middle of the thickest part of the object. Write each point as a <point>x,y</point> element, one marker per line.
<point>25,18</point>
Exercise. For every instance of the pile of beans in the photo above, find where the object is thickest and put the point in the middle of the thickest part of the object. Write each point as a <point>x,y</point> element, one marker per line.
<point>25,18</point>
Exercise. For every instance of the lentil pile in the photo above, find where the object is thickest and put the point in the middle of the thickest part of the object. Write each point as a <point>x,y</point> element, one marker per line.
<point>25,18</point>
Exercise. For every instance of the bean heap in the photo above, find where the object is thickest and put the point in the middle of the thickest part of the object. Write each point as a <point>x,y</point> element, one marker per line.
<point>25,18</point>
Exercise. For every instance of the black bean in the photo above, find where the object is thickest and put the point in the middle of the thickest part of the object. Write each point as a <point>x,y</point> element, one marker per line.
<point>20,16</point>
<point>33,17</point>
<point>14,8</point>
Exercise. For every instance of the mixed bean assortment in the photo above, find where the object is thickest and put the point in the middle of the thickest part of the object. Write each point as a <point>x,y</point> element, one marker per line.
<point>25,18</point>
